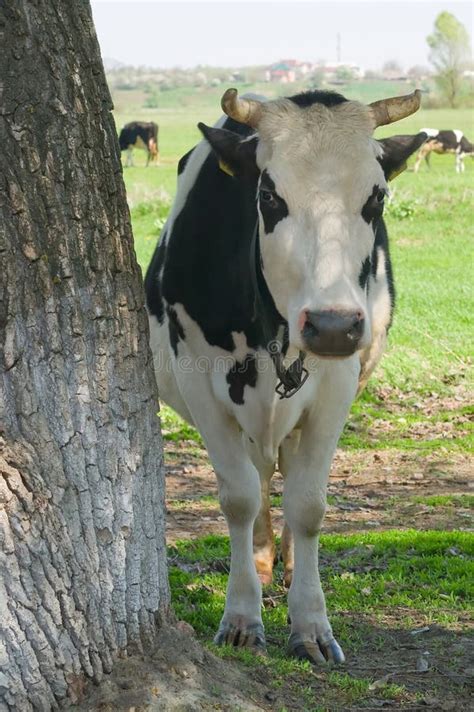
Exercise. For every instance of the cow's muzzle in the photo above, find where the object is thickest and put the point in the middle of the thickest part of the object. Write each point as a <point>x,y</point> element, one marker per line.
<point>333,333</point>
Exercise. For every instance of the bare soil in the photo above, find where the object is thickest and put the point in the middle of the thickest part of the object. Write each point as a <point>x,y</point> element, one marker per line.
<point>369,489</point>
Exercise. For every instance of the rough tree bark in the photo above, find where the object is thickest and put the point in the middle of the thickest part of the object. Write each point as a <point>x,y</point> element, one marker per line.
<point>83,567</point>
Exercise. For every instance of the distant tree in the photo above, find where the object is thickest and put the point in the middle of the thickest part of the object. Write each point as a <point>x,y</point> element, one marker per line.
<point>418,72</point>
<point>316,78</point>
<point>344,74</point>
<point>372,74</point>
<point>392,67</point>
<point>449,45</point>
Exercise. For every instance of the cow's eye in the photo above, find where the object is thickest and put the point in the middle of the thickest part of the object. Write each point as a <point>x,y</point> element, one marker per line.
<point>374,205</point>
<point>267,197</point>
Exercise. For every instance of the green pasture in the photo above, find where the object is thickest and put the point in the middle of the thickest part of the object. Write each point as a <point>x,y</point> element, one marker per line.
<point>380,584</point>
<point>180,110</point>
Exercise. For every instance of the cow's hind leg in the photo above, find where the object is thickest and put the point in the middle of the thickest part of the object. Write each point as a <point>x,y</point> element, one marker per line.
<point>460,163</point>
<point>287,451</point>
<point>287,554</point>
<point>263,536</point>
<point>304,504</point>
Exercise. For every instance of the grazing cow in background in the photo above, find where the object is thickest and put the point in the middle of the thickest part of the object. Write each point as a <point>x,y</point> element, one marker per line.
<point>270,295</point>
<point>140,134</point>
<point>444,142</point>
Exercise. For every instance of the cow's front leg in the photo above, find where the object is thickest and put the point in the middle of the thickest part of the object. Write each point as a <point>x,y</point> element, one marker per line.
<point>239,494</point>
<point>306,474</point>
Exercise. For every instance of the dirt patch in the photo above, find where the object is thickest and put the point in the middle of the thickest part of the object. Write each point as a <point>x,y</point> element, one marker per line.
<point>368,489</point>
<point>433,664</point>
<point>176,676</point>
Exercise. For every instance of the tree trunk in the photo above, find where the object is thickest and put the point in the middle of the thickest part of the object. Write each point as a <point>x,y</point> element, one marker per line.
<point>83,563</point>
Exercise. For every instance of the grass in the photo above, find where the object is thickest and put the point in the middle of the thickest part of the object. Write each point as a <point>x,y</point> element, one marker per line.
<point>371,580</point>
<point>446,500</point>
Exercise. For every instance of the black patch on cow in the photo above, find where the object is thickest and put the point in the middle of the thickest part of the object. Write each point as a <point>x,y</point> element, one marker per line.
<point>175,328</point>
<point>381,243</point>
<point>183,161</point>
<point>138,129</point>
<point>465,146</point>
<point>373,206</point>
<point>242,373</point>
<point>364,273</point>
<point>396,152</point>
<point>212,258</point>
<point>272,206</point>
<point>237,155</point>
<point>154,297</point>
<point>447,138</point>
<point>449,142</point>
<point>308,98</point>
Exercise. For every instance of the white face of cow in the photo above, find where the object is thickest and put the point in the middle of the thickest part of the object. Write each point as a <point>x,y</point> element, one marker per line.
<point>320,189</point>
<point>320,192</point>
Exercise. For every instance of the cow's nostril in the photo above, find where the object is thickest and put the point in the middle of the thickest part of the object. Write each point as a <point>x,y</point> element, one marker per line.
<point>310,328</point>
<point>333,332</point>
<point>355,331</point>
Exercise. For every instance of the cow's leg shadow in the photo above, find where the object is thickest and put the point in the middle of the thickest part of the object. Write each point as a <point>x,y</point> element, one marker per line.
<point>305,469</point>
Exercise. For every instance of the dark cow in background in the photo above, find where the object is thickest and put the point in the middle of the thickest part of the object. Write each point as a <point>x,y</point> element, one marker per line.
<point>270,296</point>
<point>446,141</point>
<point>140,134</point>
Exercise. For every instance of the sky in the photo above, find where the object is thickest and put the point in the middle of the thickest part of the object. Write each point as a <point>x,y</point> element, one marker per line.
<point>187,33</point>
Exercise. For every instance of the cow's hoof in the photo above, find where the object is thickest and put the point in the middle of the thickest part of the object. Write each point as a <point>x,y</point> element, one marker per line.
<point>319,652</point>
<point>242,636</point>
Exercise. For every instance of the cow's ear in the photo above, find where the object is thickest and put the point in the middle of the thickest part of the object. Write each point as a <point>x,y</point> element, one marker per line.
<point>236,156</point>
<point>396,151</point>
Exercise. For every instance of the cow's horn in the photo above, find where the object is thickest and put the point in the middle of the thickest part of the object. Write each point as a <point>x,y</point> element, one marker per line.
<point>245,111</point>
<point>387,111</point>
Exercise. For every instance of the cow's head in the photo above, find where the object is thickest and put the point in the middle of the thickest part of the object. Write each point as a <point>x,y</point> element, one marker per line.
<point>321,184</point>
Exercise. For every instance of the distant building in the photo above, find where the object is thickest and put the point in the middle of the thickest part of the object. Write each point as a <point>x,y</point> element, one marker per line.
<point>334,72</point>
<point>394,75</point>
<point>287,71</point>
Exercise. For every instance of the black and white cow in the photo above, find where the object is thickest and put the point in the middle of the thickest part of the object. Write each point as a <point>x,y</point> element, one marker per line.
<point>270,295</point>
<point>444,142</point>
<point>140,134</point>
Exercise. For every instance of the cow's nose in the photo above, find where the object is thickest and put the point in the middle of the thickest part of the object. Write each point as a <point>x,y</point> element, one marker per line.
<point>333,332</point>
